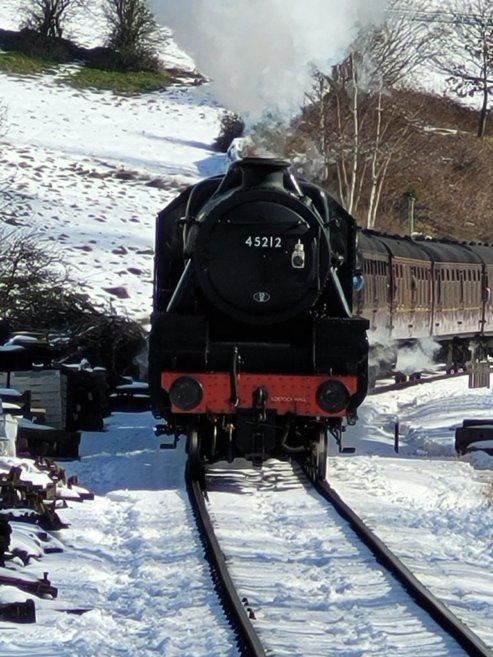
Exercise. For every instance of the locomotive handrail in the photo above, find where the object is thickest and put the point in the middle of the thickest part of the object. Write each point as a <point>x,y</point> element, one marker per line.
<point>235,395</point>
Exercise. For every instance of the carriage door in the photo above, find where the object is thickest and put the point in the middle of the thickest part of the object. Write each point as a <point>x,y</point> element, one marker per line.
<point>462,296</point>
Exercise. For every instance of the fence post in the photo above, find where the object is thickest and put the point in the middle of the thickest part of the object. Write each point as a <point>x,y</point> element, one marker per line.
<point>479,374</point>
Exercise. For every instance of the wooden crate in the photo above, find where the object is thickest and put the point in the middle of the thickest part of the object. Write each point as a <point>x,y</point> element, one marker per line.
<point>48,391</point>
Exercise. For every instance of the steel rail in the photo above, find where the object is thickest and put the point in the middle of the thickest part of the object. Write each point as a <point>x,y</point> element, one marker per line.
<point>402,385</point>
<point>471,643</point>
<point>236,610</point>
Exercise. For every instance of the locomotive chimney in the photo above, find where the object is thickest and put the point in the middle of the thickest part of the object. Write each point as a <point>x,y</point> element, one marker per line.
<point>262,172</point>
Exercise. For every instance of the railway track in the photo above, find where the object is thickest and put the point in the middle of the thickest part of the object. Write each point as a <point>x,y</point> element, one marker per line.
<point>311,579</point>
<point>381,388</point>
<point>236,610</point>
<point>472,644</point>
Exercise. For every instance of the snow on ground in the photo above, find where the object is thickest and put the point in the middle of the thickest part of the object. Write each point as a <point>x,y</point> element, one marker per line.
<point>91,169</point>
<point>85,165</point>
<point>133,558</point>
<point>89,181</point>
<point>427,504</point>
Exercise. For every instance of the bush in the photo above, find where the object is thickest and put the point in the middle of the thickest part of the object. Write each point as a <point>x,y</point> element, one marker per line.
<point>232,126</point>
<point>133,34</point>
<point>37,294</point>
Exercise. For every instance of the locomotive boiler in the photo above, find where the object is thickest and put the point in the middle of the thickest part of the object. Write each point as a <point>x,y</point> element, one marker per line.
<point>254,349</point>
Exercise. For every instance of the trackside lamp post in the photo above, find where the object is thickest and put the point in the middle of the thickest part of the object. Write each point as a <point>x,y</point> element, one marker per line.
<point>411,200</point>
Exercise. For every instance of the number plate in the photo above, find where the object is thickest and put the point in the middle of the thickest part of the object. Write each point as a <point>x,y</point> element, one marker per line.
<point>263,242</point>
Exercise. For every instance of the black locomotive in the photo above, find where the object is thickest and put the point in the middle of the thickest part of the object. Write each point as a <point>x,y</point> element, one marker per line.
<point>254,350</point>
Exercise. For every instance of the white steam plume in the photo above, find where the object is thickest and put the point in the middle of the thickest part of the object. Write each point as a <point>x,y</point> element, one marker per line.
<point>260,54</point>
<point>418,358</point>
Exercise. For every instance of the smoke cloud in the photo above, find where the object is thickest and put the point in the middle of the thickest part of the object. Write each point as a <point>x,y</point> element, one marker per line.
<point>260,54</point>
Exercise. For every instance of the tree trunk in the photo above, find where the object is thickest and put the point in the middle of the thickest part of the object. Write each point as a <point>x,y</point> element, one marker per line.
<point>483,113</point>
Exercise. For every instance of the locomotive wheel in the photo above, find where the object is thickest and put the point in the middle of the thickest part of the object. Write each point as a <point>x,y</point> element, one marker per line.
<point>317,458</point>
<point>194,463</point>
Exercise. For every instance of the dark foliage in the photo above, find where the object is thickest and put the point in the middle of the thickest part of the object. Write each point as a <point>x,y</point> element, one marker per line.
<point>60,50</point>
<point>132,35</point>
<point>232,126</point>
<point>56,49</point>
<point>106,340</point>
<point>37,294</point>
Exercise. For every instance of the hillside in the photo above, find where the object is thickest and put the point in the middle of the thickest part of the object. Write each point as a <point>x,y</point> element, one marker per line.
<point>435,156</point>
<point>446,167</point>
<point>89,170</point>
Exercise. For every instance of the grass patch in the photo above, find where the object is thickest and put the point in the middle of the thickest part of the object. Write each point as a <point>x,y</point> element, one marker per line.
<point>130,82</point>
<point>21,64</point>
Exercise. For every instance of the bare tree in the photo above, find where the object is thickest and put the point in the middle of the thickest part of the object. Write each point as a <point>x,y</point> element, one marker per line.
<point>466,53</point>
<point>133,32</point>
<point>30,269</point>
<point>358,126</point>
<point>359,133</point>
<point>47,17</point>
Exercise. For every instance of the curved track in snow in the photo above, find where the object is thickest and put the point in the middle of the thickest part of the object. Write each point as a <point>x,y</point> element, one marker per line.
<point>313,586</point>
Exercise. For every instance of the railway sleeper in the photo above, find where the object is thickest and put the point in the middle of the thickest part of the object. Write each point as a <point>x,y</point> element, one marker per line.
<point>46,518</point>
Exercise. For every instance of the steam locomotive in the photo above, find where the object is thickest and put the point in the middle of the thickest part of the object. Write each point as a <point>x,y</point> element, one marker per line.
<point>254,349</point>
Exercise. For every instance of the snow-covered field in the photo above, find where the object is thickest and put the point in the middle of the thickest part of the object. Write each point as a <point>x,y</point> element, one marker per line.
<point>84,164</point>
<point>92,169</point>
